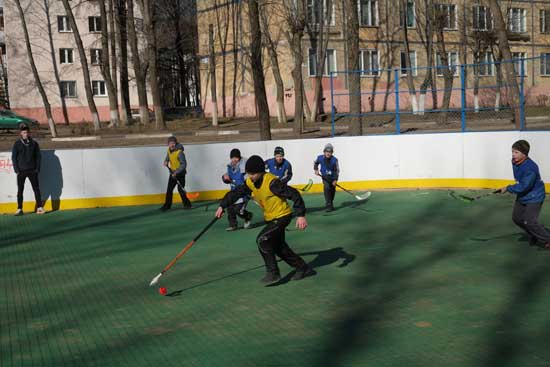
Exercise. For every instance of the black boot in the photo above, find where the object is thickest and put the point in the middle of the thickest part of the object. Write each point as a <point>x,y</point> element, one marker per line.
<point>303,272</point>
<point>164,208</point>
<point>271,277</point>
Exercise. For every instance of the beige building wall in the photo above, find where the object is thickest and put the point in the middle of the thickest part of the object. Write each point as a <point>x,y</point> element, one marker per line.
<point>385,37</point>
<point>24,96</point>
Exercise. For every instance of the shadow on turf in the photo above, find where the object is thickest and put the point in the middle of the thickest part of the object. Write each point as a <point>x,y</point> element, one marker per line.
<point>353,204</point>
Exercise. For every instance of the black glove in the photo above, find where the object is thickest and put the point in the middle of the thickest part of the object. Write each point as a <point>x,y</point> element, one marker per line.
<point>227,181</point>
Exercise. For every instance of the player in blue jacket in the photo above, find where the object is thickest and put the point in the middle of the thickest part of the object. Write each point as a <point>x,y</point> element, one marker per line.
<point>326,166</point>
<point>530,192</point>
<point>279,166</point>
<point>235,176</point>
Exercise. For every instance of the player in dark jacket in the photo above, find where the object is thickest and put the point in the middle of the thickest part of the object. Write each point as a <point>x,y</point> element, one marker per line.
<point>326,166</point>
<point>530,192</point>
<point>279,166</point>
<point>235,176</point>
<point>26,159</point>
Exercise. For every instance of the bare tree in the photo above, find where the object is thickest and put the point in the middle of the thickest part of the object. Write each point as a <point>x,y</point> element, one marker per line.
<point>47,107</point>
<point>354,78</point>
<point>236,19</point>
<point>121,29</point>
<point>106,66</point>
<point>147,9</point>
<point>425,31</point>
<point>445,67</point>
<point>140,67</point>
<point>54,62</point>
<point>271,46</point>
<point>508,66</point>
<point>84,64</point>
<point>258,70</point>
<point>410,71</point>
<point>212,73</point>
<point>222,30</point>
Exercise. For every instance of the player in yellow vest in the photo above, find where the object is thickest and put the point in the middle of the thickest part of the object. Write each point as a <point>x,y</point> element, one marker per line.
<point>272,195</point>
<point>177,164</point>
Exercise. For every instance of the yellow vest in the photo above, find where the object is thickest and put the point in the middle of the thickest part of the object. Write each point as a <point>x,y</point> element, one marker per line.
<point>274,207</point>
<point>174,161</point>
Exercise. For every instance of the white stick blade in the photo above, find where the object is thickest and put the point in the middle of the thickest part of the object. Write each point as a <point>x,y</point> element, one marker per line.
<point>364,196</point>
<point>155,280</point>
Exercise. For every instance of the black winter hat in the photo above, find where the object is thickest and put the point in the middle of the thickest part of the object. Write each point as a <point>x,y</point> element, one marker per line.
<point>235,153</point>
<point>255,164</point>
<point>172,139</point>
<point>23,127</point>
<point>279,150</point>
<point>522,146</point>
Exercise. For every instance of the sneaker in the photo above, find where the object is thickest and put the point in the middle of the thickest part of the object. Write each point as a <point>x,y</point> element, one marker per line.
<point>18,212</point>
<point>231,229</point>
<point>271,278</point>
<point>248,222</point>
<point>303,272</point>
<point>40,211</point>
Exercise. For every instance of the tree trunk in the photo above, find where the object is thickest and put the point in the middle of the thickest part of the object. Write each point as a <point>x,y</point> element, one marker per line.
<point>84,64</point>
<point>272,49</point>
<point>235,15</point>
<point>113,36</point>
<point>354,78</point>
<point>139,69</point>
<point>448,75</point>
<point>508,66</point>
<point>149,22</point>
<point>212,68</point>
<point>122,31</point>
<point>296,24</point>
<point>106,65</point>
<point>47,107</point>
<point>54,63</point>
<point>257,69</point>
<point>410,72</point>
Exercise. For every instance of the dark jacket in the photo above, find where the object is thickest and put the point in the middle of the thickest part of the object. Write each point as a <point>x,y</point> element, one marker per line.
<point>283,170</point>
<point>329,167</point>
<point>529,187</point>
<point>25,156</point>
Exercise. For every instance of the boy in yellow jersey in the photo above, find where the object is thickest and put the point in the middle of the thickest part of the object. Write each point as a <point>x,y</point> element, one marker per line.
<point>177,164</point>
<point>272,195</point>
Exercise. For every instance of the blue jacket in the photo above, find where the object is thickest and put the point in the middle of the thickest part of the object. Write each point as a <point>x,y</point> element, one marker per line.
<point>529,187</point>
<point>283,171</point>
<point>236,174</point>
<point>329,167</point>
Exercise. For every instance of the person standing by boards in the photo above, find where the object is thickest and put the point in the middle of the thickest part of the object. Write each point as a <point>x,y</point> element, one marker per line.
<point>530,194</point>
<point>235,176</point>
<point>176,163</point>
<point>272,195</point>
<point>279,166</point>
<point>326,166</point>
<point>26,158</point>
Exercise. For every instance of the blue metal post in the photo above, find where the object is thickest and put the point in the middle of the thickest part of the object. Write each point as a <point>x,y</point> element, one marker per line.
<point>397,114</point>
<point>522,96</point>
<point>332,104</point>
<point>462,98</point>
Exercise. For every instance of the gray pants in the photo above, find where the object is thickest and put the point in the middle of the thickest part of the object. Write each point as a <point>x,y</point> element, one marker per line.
<point>526,217</point>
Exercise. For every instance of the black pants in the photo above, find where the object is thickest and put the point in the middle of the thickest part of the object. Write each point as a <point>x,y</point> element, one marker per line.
<point>330,191</point>
<point>237,210</point>
<point>526,217</point>
<point>33,178</point>
<point>170,189</point>
<point>271,242</point>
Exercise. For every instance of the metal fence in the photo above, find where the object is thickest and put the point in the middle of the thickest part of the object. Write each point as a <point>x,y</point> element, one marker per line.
<point>466,97</point>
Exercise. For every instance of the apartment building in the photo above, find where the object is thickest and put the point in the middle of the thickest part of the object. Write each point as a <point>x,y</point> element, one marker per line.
<point>466,32</point>
<point>48,25</point>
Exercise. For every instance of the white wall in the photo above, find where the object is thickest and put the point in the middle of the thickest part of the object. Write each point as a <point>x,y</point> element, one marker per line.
<point>114,172</point>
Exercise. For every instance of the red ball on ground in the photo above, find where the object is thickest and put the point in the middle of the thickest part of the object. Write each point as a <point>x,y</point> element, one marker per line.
<point>163,291</point>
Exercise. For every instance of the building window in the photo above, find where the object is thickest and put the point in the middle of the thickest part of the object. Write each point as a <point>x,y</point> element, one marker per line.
<point>545,21</point>
<point>68,89</point>
<point>545,64</point>
<point>313,15</point>
<point>485,67</point>
<point>368,13</point>
<point>482,18</point>
<point>368,61</point>
<point>63,24</point>
<point>518,59</point>
<point>98,88</point>
<point>517,20</point>
<point>330,62</point>
<point>65,55</point>
<point>404,70</point>
<point>95,56</point>
<point>446,15</point>
<point>410,13</point>
<point>452,60</point>
<point>94,24</point>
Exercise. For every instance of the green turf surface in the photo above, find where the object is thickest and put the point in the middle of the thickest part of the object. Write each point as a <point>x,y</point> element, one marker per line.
<point>407,279</point>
